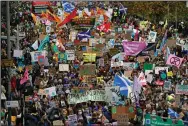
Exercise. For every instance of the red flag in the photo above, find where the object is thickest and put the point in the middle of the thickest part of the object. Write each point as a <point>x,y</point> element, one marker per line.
<point>104,27</point>
<point>68,18</point>
<point>50,16</point>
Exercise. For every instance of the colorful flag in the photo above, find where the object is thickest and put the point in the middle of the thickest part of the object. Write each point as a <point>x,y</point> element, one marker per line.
<point>68,7</point>
<point>84,35</point>
<point>142,79</point>
<point>25,78</point>
<point>41,60</point>
<point>44,41</point>
<point>174,60</point>
<point>172,113</point>
<point>125,89</point>
<point>50,16</point>
<point>104,27</point>
<point>68,18</point>
<point>133,48</point>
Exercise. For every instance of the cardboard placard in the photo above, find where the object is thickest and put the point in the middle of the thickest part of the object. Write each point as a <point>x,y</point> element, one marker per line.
<point>141,59</point>
<point>122,119</point>
<point>18,53</point>
<point>114,51</point>
<point>63,67</point>
<point>7,62</point>
<point>29,67</point>
<point>89,57</point>
<point>87,69</point>
<point>123,110</point>
<point>58,123</point>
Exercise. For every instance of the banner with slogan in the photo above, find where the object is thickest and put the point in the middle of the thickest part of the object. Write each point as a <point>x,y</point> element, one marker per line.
<point>182,89</point>
<point>174,60</point>
<point>158,121</point>
<point>133,48</point>
<point>97,95</point>
<point>92,95</point>
<point>88,69</point>
<point>89,57</point>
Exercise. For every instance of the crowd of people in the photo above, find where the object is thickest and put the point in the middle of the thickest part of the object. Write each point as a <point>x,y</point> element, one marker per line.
<point>88,65</point>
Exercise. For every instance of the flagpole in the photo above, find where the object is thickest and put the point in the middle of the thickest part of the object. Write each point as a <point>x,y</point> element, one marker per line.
<point>9,57</point>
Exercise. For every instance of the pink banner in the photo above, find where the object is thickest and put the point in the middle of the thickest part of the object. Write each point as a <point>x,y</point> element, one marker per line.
<point>25,78</point>
<point>133,48</point>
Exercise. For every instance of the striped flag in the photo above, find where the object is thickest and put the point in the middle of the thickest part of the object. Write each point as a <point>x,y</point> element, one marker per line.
<point>84,35</point>
<point>125,89</point>
<point>172,113</point>
<point>122,9</point>
<point>68,7</point>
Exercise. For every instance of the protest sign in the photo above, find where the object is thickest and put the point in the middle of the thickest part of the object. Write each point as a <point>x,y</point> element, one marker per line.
<point>97,95</point>
<point>35,54</point>
<point>63,67</point>
<point>133,48</point>
<point>113,94</point>
<point>18,53</point>
<point>152,37</point>
<point>182,89</point>
<point>58,123</point>
<point>7,62</point>
<point>41,60</point>
<point>142,79</point>
<point>12,104</point>
<point>141,59</point>
<point>113,51</point>
<point>129,66</point>
<point>99,80</point>
<point>51,91</point>
<point>129,110</point>
<point>122,119</point>
<point>163,74</point>
<point>89,57</point>
<point>101,62</point>
<point>174,60</point>
<point>70,54</point>
<point>148,66</point>
<point>158,121</point>
<point>177,99</point>
<point>167,85</point>
<point>72,119</point>
<point>88,69</point>
<point>157,69</point>
<point>143,24</point>
<point>170,74</point>
<point>75,98</point>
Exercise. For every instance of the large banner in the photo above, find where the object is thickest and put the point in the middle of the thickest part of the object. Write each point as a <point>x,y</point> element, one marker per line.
<point>133,48</point>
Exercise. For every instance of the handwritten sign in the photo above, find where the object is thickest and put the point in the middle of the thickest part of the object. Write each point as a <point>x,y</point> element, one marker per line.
<point>83,21</point>
<point>6,62</point>
<point>157,69</point>
<point>88,69</point>
<point>129,110</point>
<point>97,95</point>
<point>63,67</point>
<point>89,57</point>
<point>113,94</point>
<point>11,104</point>
<point>101,62</point>
<point>76,98</point>
<point>50,91</point>
<point>58,123</point>
<point>182,89</point>
<point>122,119</point>
<point>70,54</point>
<point>72,119</point>
<point>167,85</point>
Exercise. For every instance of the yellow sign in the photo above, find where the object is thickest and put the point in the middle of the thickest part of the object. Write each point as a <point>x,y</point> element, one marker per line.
<point>143,24</point>
<point>89,57</point>
<point>7,62</point>
<point>99,80</point>
<point>169,74</point>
